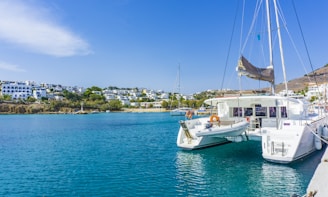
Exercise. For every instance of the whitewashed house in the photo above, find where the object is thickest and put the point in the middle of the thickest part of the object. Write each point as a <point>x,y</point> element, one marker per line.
<point>17,90</point>
<point>38,93</point>
<point>313,90</point>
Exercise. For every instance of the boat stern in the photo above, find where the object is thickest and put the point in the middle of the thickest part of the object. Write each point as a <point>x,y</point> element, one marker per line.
<point>188,140</point>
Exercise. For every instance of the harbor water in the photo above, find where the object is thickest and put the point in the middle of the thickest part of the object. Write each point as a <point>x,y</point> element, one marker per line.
<point>133,154</point>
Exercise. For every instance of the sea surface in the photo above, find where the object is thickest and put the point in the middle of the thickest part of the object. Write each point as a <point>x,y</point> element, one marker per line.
<point>133,154</point>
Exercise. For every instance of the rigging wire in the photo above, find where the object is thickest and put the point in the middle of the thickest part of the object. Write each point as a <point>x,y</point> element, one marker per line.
<point>240,41</point>
<point>255,32</point>
<point>230,43</point>
<point>242,25</point>
<point>306,48</point>
<point>257,9</point>
<point>291,39</point>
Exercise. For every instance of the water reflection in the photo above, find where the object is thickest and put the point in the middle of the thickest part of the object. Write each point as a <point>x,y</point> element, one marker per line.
<point>238,169</point>
<point>191,173</point>
<point>279,179</point>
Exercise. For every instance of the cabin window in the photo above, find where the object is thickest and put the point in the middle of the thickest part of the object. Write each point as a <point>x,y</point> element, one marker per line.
<point>248,111</point>
<point>260,111</point>
<point>237,111</point>
<point>272,112</point>
<point>283,112</point>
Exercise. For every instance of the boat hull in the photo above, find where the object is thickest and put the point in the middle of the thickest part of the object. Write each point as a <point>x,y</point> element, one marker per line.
<point>291,143</point>
<point>180,111</point>
<point>195,134</point>
<point>204,142</point>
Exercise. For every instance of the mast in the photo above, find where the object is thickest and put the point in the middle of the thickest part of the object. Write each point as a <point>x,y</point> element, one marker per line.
<point>280,46</point>
<point>179,86</point>
<point>179,79</point>
<point>271,57</point>
<point>270,43</point>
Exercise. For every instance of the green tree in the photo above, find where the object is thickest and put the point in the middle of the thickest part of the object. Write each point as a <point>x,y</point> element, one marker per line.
<point>104,107</point>
<point>90,94</point>
<point>95,97</point>
<point>7,97</point>
<point>44,99</point>
<point>90,91</point>
<point>174,104</point>
<point>71,96</point>
<point>31,99</point>
<point>313,98</point>
<point>115,105</point>
<point>165,104</point>
<point>199,103</point>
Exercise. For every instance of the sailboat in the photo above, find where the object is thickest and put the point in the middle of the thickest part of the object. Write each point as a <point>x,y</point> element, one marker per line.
<point>180,111</point>
<point>284,126</point>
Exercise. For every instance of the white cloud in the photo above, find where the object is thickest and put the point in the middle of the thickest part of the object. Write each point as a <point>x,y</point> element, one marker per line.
<point>10,67</point>
<point>31,27</point>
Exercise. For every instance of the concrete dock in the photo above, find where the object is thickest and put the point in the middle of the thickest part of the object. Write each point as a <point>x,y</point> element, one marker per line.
<point>318,186</point>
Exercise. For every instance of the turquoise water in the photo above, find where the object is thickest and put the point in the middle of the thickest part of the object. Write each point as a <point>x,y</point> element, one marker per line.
<point>132,154</point>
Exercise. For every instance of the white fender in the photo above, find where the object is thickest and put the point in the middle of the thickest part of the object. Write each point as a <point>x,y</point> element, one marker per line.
<point>325,132</point>
<point>317,138</point>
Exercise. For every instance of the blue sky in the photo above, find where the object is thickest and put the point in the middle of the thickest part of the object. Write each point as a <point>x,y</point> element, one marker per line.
<point>140,43</point>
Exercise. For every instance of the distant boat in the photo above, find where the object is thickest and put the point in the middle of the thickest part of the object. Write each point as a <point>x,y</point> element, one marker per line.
<point>81,112</point>
<point>180,111</point>
<point>202,111</point>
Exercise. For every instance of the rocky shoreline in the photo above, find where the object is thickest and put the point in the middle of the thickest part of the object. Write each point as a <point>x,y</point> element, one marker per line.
<point>32,109</point>
<point>21,108</point>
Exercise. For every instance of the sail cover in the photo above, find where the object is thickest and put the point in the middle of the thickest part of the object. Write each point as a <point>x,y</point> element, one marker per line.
<point>246,68</point>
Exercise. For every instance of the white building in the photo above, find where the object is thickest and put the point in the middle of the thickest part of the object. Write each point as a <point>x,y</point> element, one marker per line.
<point>313,90</point>
<point>38,93</point>
<point>156,104</point>
<point>164,96</point>
<point>17,90</point>
<point>286,93</point>
<point>125,101</point>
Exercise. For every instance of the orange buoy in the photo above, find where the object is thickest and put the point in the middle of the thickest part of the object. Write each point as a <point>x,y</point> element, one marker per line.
<point>214,118</point>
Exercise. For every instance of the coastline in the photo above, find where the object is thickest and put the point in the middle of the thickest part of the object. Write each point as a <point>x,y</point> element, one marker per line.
<point>10,108</point>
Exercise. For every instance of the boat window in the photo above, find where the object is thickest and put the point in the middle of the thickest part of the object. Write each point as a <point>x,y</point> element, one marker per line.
<point>272,111</point>
<point>260,111</point>
<point>283,112</point>
<point>237,111</point>
<point>248,111</point>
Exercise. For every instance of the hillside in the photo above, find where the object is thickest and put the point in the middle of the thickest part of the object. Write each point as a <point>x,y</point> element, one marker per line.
<point>320,76</point>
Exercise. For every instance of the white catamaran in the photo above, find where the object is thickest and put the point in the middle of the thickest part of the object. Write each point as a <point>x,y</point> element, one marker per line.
<point>284,125</point>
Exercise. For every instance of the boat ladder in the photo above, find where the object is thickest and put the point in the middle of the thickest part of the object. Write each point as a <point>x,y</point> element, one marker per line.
<point>186,130</point>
